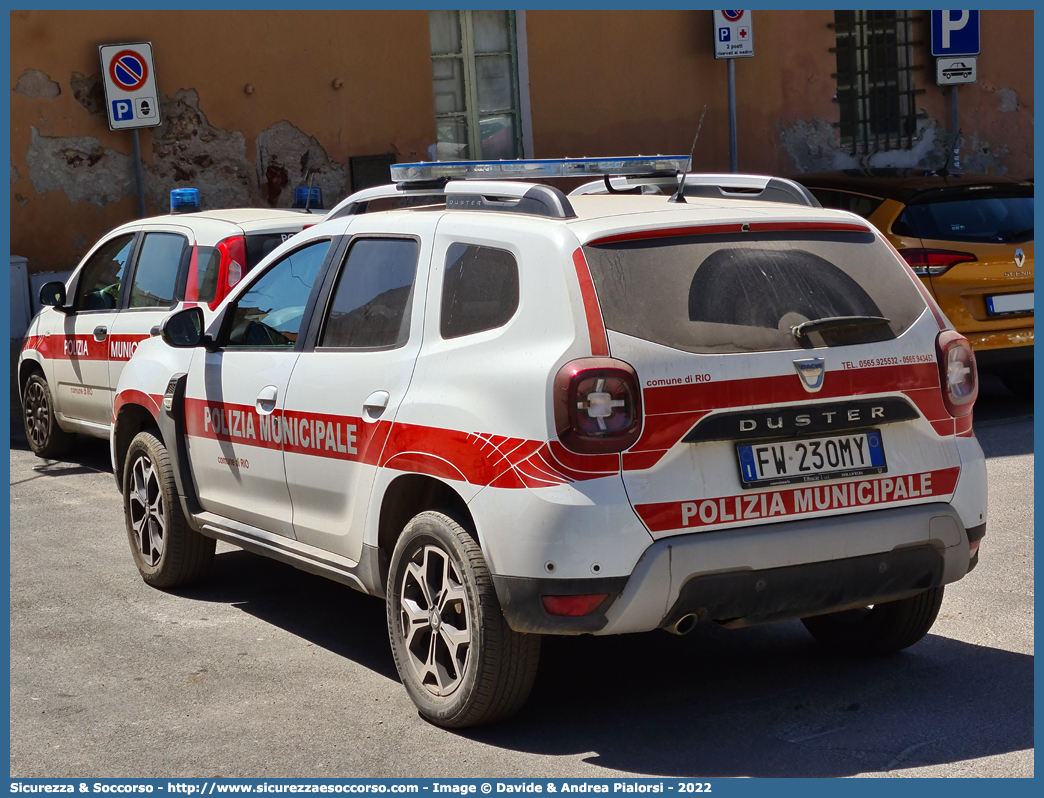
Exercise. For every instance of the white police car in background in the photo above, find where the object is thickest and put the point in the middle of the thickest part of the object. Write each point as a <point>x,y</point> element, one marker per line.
<point>513,412</point>
<point>76,347</point>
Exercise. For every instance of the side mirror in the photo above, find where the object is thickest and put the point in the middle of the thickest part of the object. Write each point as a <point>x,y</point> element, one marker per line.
<point>184,329</point>
<point>53,295</point>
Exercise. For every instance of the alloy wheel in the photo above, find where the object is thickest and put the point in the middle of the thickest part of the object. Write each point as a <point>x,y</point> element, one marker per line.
<point>435,621</point>
<point>147,511</point>
<point>37,414</point>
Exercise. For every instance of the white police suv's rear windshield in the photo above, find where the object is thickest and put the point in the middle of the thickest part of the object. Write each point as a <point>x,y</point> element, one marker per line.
<point>747,292</point>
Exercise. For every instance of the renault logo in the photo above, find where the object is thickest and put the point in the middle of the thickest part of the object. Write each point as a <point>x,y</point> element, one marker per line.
<point>1020,258</point>
<point>811,372</point>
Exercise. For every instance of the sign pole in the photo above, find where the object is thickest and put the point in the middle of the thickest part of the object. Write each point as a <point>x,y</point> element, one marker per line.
<point>733,153</point>
<point>956,127</point>
<point>733,38</point>
<point>140,183</point>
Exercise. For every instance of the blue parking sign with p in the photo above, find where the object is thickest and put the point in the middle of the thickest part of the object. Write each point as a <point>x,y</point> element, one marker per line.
<point>955,33</point>
<point>724,34</point>
<point>122,110</point>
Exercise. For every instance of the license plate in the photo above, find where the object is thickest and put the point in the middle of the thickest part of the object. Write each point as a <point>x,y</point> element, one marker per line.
<point>1003,304</point>
<point>811,459</point>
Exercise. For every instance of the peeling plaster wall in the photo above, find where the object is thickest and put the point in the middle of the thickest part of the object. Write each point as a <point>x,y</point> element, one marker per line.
<point>996,125</point>
<point>79,166</point>
<point>365,88</point>
<point>188,151</point>
<point>287,157</point>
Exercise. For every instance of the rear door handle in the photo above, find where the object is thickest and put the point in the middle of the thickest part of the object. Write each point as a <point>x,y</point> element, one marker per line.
<point>100,333</point>
<point>375,405</point>
<point>266,400</point>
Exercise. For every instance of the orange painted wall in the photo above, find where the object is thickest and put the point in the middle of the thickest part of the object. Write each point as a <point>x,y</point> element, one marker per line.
<point>291,58</point>
<point>601,83</point>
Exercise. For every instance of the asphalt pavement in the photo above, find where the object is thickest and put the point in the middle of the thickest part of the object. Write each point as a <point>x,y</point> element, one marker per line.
<point>268,671</point>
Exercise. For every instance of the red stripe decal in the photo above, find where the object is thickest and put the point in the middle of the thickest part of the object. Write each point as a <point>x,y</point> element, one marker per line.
<point>83,347</point>
<point>718,229</point>
<point>787,388</point>
<point>964,426</point>
<point>595,326</point>
<point>150,402</point>
<point>721,511</point>
<point>447,454</point>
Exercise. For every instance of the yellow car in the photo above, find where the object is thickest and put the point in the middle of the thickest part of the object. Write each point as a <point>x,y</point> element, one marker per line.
<point>969,238</point>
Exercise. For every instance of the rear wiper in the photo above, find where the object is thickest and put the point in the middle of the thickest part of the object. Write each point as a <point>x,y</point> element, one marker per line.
<point>1004,235</point>
<point>802,330</point>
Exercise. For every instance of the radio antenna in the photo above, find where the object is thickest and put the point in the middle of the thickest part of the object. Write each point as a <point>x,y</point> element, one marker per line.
<point>680,196</point>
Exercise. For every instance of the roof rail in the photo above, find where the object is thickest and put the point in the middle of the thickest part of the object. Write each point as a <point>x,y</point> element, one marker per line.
<point>510,196</point>
<point>359,201</point>
<point>487,195</point>
<point>718,186</point>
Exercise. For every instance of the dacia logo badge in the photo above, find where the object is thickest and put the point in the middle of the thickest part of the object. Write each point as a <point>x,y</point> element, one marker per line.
<point>811,370</point>
<point>1020,258</point>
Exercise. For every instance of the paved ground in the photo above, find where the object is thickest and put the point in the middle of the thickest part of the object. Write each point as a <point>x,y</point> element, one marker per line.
<point>267,671</point>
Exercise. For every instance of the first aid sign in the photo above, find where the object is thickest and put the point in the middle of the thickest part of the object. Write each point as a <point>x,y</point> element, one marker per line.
<point>129,77</point>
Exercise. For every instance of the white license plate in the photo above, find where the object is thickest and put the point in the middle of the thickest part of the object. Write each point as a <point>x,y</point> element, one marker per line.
<point>811,459</point>
<point>1009,303</point>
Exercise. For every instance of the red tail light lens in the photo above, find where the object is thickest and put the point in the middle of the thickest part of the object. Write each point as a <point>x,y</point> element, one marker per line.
<point>233,266</point>
<point>573,606</point>
<point>598,405</point>
<point>957,373</point>
<point>934,262</point>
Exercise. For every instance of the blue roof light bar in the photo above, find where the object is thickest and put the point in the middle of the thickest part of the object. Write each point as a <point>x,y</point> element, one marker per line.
<point>552,167</point>
<point>185,200</point>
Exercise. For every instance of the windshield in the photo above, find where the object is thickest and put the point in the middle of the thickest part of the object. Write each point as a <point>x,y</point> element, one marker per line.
<point>747,292</point>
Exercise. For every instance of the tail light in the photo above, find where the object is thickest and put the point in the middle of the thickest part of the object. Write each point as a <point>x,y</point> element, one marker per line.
<point>232,268</point>
<point>957,372</point>
<point>934,262</point>
<point>573,606</point>
<point>598,405</point>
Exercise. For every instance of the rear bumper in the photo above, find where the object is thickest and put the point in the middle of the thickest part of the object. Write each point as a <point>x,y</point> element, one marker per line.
<point>761,573</point>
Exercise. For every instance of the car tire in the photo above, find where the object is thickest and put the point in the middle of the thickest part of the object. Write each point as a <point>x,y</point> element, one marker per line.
<point>881,629</point>
<point>167,551</point>
<point>1019,383</point>
<point>480,672</point>
<point>46,438</point>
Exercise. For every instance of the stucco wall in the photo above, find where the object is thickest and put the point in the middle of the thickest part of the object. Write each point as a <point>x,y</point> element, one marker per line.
<point>72,178</point>
<point>598,87</point>
<point>601,83</point>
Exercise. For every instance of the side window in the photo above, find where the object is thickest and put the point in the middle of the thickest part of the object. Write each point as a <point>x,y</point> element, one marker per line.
<point>480,290</point>
<point>860,204</point>
<point>828,198</point>
<point>270,311</point>
<point>373,296</point>
<point>102,276</point>
<point>157,270</point>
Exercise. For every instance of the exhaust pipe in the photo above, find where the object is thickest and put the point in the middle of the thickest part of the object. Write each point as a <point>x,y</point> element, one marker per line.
<point>683,625</point>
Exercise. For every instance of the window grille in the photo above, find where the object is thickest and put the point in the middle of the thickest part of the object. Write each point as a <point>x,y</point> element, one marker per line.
<point>474,65</point>
<point>875,86</point>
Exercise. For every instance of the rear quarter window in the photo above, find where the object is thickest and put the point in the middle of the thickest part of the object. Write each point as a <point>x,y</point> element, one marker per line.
<point>479,291</point>
<point>746,292</point>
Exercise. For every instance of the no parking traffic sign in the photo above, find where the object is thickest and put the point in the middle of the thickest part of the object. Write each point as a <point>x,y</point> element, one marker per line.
<point>131,98</point>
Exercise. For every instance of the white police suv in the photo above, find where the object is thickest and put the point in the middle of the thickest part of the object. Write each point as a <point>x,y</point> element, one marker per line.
<point>513,412</point>
<point>76,347</point>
